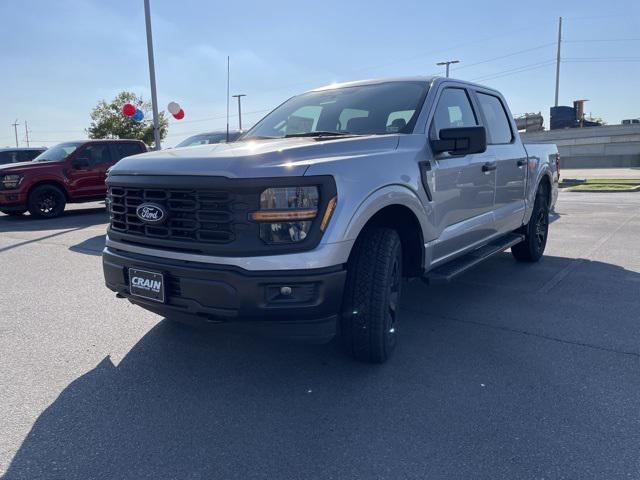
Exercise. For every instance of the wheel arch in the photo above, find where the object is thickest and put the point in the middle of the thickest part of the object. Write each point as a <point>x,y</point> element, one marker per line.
<point>54,183</point>
<point>401,210</point>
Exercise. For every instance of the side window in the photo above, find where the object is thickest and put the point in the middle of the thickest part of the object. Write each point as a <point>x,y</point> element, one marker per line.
<point>7,157</point>
<point>396,121</point>
<point>127,149</point>
<point>454,110</point>
<point>498,126</point>
<point>347,115</point>
<point>303,120</point>
<point>27,155</point>
<point>97,154</point>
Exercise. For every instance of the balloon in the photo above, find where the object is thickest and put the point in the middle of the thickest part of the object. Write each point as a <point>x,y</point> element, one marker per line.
<point>138,115</point>
<point>179,115</point>
<point>173,108</point>
<point>128,110</point>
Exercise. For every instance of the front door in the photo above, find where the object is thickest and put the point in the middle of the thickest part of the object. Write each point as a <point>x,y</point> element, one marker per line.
<point>464,185</point>
<point>88,169</point>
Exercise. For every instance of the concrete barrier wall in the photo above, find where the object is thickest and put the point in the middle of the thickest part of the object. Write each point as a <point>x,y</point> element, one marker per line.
<point>611,146</point>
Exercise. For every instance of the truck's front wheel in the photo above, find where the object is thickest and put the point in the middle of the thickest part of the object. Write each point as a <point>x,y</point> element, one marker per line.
<point>368,326</point>
<point>46,201</point>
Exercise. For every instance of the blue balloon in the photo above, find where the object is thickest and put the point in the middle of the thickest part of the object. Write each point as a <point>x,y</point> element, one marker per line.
<point>138,116</point>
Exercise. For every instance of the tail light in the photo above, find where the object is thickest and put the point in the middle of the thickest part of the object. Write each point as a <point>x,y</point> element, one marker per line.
<point>558,164</point>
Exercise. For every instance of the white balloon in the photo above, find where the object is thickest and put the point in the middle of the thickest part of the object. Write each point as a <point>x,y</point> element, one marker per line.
<point>173,108</point>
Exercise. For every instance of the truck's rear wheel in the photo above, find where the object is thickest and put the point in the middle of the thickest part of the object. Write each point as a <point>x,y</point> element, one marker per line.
<point>46,201</point>
<point>536,231</point>
<point>368,325</point>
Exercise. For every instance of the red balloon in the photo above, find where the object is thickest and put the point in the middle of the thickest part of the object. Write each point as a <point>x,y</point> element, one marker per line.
<point>128,109</point>
<point>179,115</point>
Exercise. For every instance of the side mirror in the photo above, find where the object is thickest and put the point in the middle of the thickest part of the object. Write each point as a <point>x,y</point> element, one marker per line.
<point>80,163</point>
<point>461,141</point>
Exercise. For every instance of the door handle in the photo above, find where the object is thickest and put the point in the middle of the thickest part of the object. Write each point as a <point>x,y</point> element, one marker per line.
<point>489,166</point>
<point>521,162</point>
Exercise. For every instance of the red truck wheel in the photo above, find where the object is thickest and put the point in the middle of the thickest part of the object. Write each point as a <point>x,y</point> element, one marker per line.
<point>46,201</point>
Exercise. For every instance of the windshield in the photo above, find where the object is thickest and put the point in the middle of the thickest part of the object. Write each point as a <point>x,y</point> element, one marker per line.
<point>379,109</point>
<point>57,153</point>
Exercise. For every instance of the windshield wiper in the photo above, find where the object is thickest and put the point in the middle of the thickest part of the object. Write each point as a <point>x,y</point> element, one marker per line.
<point>319,133</point>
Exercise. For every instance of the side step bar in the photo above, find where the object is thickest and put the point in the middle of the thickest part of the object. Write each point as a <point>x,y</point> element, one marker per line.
<point>446,273</point>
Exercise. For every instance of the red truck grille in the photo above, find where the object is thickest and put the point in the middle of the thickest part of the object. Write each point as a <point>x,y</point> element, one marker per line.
<point>203,216</point>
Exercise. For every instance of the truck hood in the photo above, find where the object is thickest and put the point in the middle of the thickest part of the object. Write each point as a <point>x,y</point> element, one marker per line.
<point>256,158</point>
<point>23,166</point>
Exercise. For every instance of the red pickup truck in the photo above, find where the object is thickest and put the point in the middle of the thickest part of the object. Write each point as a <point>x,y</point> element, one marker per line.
<point>70,172</point>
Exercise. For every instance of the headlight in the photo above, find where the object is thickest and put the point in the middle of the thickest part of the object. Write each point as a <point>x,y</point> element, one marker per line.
<point>286,213</point>
<point>9,182</point>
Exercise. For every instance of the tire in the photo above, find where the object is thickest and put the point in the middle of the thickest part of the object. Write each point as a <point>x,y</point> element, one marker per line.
<point>46,201</point>
<point>368,324</point>
<point>536,231</point>
<point>14,213</point>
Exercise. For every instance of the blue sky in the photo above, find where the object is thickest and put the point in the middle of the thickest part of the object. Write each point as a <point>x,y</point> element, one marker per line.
<point>60,57</point>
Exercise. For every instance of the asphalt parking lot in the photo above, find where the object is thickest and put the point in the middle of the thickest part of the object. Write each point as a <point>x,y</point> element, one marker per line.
<point>513,371</point>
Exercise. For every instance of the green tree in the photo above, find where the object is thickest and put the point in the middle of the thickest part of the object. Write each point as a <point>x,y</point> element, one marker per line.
<point>108,121</point>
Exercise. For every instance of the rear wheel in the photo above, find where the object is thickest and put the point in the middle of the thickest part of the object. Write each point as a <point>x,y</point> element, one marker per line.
<point>536,231</point>
<point>368,326</point>
<point>46,201</point>
<point>13,213</point>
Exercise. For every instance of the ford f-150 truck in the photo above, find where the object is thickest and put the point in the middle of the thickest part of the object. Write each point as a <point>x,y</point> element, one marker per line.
<point>308,224</point>
<point>69,172</point>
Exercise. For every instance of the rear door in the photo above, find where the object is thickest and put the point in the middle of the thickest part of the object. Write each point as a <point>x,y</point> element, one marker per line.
<point>464,186</point>
<point>511,157</point>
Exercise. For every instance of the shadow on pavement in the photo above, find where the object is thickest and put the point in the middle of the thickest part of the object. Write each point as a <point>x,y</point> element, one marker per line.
<point>460,399</point>
<point>90,246</point>
<point>75,218</point>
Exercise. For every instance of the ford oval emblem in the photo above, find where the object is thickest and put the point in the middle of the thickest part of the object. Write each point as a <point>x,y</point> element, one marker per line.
<point>151,213</point>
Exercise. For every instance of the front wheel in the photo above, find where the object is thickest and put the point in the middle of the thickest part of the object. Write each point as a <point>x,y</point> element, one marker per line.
<point>536,232</point>
<point>46,201</point>
<point>369,322</point>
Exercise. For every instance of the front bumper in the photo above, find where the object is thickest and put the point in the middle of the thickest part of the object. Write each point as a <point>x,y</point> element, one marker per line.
<point>12,199</point>
<point>246,300</point>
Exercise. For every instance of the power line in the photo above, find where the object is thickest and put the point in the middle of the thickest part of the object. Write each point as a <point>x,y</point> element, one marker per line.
<point>504,56</point>
<point>590,40</point>
<point>513,71</point>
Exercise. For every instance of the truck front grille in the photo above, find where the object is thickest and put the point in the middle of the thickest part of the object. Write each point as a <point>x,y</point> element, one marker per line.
<point>202,216</point>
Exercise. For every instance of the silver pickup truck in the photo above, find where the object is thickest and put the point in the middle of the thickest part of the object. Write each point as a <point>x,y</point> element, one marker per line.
<point>307,226</point>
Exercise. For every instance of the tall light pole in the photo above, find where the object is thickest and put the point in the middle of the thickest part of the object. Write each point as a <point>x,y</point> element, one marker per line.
<point>15,130</point>
<point>152,76</point>
<point>239,96</point>
<point>558,60</point>
<point>447,63</point>
<point>26,132</point>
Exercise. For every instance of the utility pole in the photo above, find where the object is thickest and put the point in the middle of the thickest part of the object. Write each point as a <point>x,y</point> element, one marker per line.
<point>558,60</point>
<point>26,132</point>
<point>239,96</point>
<point>152,76</point>
<point>15,130</point>
<point>228,71</point>
<point>447,63</point>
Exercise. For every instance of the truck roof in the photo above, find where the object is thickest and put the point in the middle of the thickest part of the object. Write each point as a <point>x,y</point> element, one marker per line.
<point>17,149</point>
<point>414,78</point>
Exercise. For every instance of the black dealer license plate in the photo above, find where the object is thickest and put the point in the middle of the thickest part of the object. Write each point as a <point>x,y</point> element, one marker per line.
<point>146,284</point>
